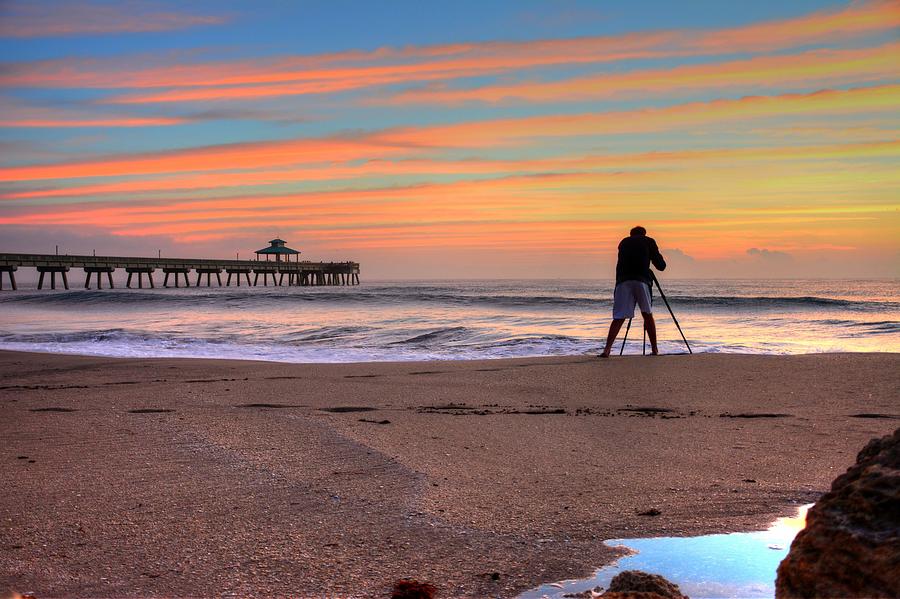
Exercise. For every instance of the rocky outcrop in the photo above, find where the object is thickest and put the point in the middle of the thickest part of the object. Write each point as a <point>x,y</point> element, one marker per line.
<point>851,544</point>
<point>634,584</point>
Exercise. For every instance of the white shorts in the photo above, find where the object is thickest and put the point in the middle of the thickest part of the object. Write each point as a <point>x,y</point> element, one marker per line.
<point>629,293</point>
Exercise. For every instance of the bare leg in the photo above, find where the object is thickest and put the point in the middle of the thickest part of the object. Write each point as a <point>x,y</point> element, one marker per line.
<point>614,327</point>
<point>650,328</point>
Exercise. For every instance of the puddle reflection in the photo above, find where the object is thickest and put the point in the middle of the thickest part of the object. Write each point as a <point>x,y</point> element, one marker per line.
<point>736,565</point>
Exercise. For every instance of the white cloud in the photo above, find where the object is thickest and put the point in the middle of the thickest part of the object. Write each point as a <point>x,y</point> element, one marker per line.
<point>769,255</point>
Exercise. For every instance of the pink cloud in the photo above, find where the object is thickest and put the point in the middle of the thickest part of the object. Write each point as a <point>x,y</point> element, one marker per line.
<point>326,73</point>
<point>814,68</point>
<point>45,19</point>
<point>17,114</point>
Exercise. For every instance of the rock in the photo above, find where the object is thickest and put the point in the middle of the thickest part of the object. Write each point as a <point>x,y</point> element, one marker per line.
<point>651,512</point>
<point>634,584</point>
<point>588,594</point>
<point>407,588</point>
<point>851,544</point>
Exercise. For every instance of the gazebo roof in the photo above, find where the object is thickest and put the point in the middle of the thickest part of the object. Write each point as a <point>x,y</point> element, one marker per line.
<point>277,247</point>
<point>277,250</point>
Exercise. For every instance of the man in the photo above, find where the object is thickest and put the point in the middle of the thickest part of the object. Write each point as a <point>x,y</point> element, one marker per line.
<point>633,280</point>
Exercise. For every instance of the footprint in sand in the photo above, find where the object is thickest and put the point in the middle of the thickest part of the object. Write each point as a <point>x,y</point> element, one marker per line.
<point>645,411</point>
<point>872,415</point>
<point>757,415</point>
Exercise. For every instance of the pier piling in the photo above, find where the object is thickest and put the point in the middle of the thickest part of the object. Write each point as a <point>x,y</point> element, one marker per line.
<point>97,272</point>
<point>176,272</point>
<point>265,272</point>
<point>140,272</point>
<point>11,272</point>
<point>209,272</point>
<point>238,272</point>
<point>62,270</point>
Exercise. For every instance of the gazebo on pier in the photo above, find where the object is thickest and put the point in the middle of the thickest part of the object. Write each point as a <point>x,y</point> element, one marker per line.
<point>278,249</point>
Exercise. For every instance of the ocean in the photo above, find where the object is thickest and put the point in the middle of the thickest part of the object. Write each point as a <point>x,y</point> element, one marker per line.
<point>448,320</point>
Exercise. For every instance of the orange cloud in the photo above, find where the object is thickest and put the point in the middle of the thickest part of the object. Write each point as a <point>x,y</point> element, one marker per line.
<point>91,122</point>
<point>707,211</point>
<point>14,113</point>
<point>816,68</point>
<point>409,167</point>
<point>704,237</point>
<point>223,157</point>
<point>479,134</point>
<point>330,82</point>
<point>505,132</point>
<point>344,71</point>
<point>857,18</point>
<point>518,196</point>
<point>45,19</point>
<point>545,198</point>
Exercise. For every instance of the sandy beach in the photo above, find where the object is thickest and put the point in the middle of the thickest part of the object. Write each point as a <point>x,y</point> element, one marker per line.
<point>139,478</point>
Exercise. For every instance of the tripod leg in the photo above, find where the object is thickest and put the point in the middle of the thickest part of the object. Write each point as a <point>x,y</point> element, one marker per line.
<point>679,329</point>
<point>662,294</point>
<point>644,346</point>
<point>625,338</point>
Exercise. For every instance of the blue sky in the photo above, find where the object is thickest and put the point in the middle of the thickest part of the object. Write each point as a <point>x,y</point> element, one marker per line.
<point>351,125</point>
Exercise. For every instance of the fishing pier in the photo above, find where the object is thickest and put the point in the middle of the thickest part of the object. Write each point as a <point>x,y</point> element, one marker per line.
<point>176,271</point>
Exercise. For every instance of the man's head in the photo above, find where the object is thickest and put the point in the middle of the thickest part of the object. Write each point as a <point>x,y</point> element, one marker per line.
<point>638,231</point>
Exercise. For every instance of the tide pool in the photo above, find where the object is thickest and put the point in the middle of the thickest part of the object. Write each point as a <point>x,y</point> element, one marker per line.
<point>736,565</point>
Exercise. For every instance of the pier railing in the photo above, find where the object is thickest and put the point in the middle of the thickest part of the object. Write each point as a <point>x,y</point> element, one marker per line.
<point>295,273</point>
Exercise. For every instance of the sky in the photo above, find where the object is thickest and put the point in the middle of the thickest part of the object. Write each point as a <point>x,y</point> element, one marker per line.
<point>463,139</point>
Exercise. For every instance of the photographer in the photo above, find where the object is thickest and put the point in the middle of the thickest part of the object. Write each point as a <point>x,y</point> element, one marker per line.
<point>633,280</point>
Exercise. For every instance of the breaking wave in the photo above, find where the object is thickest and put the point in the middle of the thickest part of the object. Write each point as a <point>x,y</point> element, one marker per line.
<point>438,321</point>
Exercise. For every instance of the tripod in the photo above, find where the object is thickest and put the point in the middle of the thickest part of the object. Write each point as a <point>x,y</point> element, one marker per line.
<point>666,301</point>
<point>628,328</point>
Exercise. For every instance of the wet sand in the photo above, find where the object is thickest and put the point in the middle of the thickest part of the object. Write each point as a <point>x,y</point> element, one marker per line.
<point>140,478</point>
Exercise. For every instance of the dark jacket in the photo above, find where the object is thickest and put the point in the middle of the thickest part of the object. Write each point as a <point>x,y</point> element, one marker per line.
<point>635,255</point>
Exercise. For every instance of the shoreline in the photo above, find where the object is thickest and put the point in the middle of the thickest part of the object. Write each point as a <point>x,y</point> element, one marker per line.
<point>586,355</point>
<point>263,479</point>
